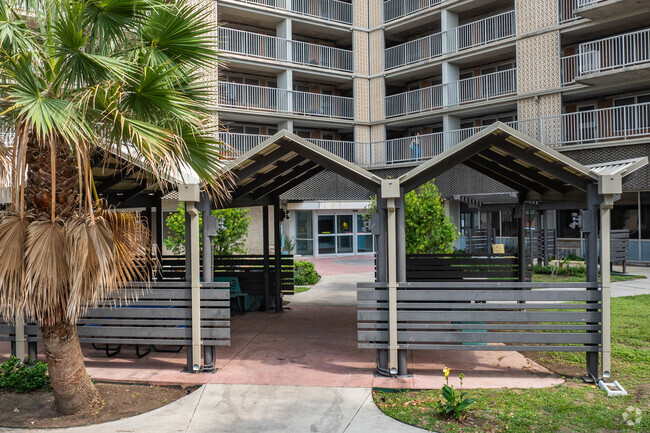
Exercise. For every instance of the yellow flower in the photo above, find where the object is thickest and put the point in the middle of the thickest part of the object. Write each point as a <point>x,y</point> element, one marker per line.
<point>446,371</point>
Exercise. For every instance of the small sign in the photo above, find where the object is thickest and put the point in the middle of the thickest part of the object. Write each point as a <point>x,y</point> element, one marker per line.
<point>498,249</point>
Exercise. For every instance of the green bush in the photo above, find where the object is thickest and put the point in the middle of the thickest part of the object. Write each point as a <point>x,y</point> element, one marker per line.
<point>25,377</point>
<point>571,271</point>
<point>304,274</point>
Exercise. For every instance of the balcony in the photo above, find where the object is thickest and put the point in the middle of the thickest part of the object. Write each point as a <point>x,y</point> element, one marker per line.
<point>566,10</point>
<point>626,56</point>
<point>394,9</point>
<point>330,10</point>
<point>242,143</point>
<point>274,48</point>
<point>590,127</point>
<point>469,35</point>
<point>269,99</point>
<point>474,89</point>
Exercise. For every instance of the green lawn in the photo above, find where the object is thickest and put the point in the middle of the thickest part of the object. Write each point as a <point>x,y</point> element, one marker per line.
<point>571,407</point>
<point>300,289</point>
<point>545,278</point>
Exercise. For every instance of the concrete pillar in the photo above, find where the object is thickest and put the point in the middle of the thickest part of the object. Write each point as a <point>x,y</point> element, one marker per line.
<point>448,22</point>
<point>450,123</point>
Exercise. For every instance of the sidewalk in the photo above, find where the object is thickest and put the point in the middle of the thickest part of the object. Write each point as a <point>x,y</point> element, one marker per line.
<point>259,408</point>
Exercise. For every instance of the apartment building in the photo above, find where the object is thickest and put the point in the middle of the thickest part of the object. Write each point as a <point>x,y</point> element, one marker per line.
<point>387,84</point>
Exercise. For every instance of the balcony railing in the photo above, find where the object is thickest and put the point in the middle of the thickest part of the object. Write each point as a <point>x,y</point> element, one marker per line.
<point>565,10</point>
<point>394,9</point>
<point>241,143</point>
<point>469,35</point>
<point>271,47</point>
<point>480,88</point>
<point>481,32</point>
<point>585,127</point>
<point>284,101</point>
<point>607,54</point>
<point>415,101</point>
<point>414,51</point>
<point>594,126</point>
<point>330,10</point>
<point>483,87</point>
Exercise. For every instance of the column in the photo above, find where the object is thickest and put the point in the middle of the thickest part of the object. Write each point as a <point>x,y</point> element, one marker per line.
<point>285,78</point>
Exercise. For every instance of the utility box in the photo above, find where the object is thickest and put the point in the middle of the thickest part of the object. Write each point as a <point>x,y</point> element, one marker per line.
<point>189,192</point>
<point>610,184</point>
<point>390,188</point>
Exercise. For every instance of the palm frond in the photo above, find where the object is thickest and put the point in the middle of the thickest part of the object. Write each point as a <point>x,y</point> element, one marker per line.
<point>184,34</point>
<point>92,263</point>
<point>132,240</point>
<point>47,287</point>
<point>12,247</point>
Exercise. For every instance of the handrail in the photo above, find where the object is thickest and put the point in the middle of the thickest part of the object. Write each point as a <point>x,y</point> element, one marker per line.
<point>272,47</point>
<point>329,10</point>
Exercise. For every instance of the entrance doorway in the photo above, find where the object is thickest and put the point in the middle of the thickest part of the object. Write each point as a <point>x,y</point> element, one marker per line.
<point>342,234</point>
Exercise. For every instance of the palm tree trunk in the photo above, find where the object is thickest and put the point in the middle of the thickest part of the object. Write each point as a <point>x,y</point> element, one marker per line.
<point>73,390</point>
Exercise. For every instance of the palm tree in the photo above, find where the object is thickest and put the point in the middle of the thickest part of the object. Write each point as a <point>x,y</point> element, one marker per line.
<point>80,78</point>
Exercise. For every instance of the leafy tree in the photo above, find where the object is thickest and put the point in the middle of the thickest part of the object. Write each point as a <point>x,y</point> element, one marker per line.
<point>226,242</point>
<point>81,80</point>
<point>428,229</point>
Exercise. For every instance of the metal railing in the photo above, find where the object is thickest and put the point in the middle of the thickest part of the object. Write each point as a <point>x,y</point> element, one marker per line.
<point>584,3</point>
<point>316,104</point>
<point>469,35</point>
<point>414,101</point>
<point>272,47</point>
<point>565,10</point>
<point>241,143</point>
<point>614,52</point>
<point>480,88</point>
<point>481,32</point>
<point>593,126</point>
<point>414,51</point>
<point>330,10</point>
<point>483,87</point>
<point>343,149</point>
<point>284,101</point>
<point>394,9</point>
<point>607,54</point>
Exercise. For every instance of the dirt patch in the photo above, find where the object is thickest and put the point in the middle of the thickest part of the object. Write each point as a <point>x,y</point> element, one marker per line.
<point>36,409</point>
<point>556,366</point>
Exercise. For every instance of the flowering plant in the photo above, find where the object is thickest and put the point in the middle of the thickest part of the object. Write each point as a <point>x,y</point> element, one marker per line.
<point>455,402</point>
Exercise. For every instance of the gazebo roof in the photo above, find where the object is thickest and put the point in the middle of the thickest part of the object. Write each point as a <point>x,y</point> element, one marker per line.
<point>535,171</point>
<point>282,162</point>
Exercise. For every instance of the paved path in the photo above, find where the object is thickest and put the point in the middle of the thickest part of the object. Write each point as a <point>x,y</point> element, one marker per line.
<point>634,287</point>
<point>259,408</point>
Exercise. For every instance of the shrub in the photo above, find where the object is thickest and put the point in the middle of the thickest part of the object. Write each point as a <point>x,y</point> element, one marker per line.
<point>572,271</point>
<point>304,274</point>
<point>25,377</point>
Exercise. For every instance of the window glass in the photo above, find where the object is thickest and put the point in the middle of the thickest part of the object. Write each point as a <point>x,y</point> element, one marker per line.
<point>344,244</point>
<point>326,224</point>
<point>304,228</point>
<point>326,244</point>
<point>645,215</point>
<point>344,224</point>
<point>363,224</point>
<point>364,243</point>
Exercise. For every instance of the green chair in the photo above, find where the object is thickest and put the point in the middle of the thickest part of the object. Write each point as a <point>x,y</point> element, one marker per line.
<point>241,299</point>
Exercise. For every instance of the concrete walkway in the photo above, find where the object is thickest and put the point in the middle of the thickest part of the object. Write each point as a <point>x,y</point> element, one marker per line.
<point>634,287</point>
<point>259,408</point>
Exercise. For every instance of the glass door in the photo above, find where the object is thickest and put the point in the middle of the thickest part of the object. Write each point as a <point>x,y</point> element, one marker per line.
<point>364,237</point>
<point>326,234</point>
<point>344,234</point>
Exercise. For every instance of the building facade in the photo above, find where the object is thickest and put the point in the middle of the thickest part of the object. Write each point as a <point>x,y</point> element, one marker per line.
<point>388,84</point>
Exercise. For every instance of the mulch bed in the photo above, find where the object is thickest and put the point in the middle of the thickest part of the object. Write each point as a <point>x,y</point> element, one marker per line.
<point>36,409</point>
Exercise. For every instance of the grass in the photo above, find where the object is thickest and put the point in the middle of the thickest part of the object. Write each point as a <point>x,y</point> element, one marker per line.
<point>546,278</point>
<point>300,289</point>
<point>570,407</point>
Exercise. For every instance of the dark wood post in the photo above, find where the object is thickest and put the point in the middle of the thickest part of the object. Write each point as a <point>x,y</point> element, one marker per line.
<point>278,254</point>
<point>265,252</point>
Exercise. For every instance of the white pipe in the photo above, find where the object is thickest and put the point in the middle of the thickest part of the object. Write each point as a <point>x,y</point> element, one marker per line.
<point>605,224</point>
<point>20,336</point>
<point>195,284</point>
<point>392,285</point>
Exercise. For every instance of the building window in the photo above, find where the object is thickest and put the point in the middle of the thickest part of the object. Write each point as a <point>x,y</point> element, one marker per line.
<point>304,233</point>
